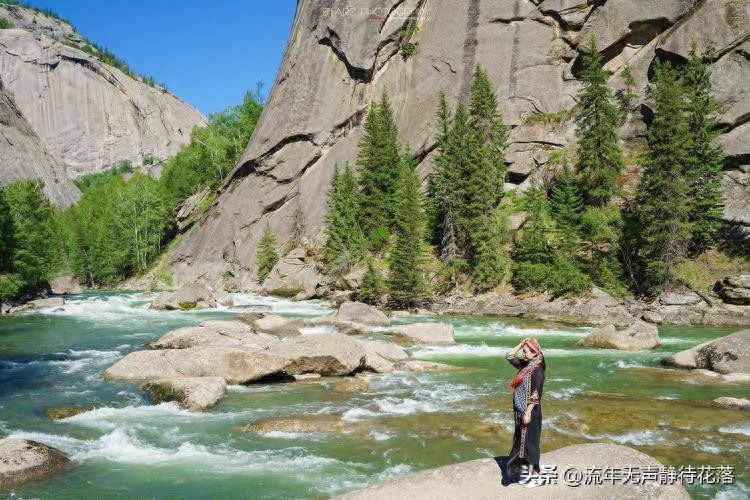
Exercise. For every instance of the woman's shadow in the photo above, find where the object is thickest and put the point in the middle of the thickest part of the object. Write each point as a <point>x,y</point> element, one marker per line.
<point>508,476</point>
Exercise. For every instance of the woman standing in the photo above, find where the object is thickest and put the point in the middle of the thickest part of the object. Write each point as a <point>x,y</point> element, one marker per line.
<point>527,389</point>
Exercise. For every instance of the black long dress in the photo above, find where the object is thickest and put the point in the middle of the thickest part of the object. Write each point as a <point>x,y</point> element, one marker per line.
<point>526,438</point>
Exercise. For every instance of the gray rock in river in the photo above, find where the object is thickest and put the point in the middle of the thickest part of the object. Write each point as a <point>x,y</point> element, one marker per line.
<point>279,326</point>
<point>326,353</point>
<point>638,336</point>
<point>190,296</point>
<point>481,479</point>
<point>425,333</point>
<point>192,393</point>
<point>294,276</point>
<point>360,312</point>
<point>730,354</point>
<point>732,403</point>
<point>23,460</point>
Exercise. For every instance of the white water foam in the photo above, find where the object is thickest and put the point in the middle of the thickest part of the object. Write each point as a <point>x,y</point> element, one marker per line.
<point>81,360</point>
<point>565,393</point>
<point>644,437</point>
<point>379,436</point>
<point>283,306</point>
<point>738,491</point>
<point>736,429</point>
<point>123,446</point>
<point>458,350</point>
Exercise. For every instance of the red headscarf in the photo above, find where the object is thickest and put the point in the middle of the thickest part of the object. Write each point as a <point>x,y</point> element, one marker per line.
<point>526,370</point>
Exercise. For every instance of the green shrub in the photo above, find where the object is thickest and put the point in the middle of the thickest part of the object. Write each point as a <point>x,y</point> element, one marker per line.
<point>371,288</point>
<point>379,239</point>
<point>9,286</point>
<point>5,24</point>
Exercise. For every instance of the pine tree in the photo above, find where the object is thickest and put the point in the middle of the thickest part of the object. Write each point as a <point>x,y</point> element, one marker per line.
<point>662,197</point>
<point>565,201</point>
<point>441,180</point>
<point>628,94</point>
<point>371,288</point>
<point>600,160</point>
<point>267,256</point>
<point>485,177</point>
<point>458,157</point>
<point>345,244</point>
<point>406,283</point>
<point>704,159</point>
<point>537,265</point>
<point>378,159</point>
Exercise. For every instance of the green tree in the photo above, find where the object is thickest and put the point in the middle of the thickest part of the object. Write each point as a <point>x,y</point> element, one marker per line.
<point>565,200</point>
<point>267,255</point>
<point>537,265</point>
<point>406,282</point>
<point>371,288</point>
<point>600,162</point>
<point>37,250</point>
<point>7,234</point>
<point>345,244</point>
<point>662,196</point>
<point>484,182</point>
<point>705,159</point>
<point>213,150</point>
<point>378,159</point>
<point>628,94</point>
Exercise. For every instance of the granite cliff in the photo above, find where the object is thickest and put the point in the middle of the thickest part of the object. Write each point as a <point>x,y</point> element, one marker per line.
<point>86,115</point>
<point>341,55</point>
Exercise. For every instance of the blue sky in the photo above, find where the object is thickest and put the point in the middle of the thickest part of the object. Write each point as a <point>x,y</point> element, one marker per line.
<point>208,52</point>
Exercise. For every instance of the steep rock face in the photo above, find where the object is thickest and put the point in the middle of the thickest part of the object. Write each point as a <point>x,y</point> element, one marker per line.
<point>339,58</point>
<point>88,114</point>
<point>23,156</point>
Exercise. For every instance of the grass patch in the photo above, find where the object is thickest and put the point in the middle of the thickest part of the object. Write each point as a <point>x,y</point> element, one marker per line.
<point>556,117</point>
<point>5,23</point>
<point>709,267</point>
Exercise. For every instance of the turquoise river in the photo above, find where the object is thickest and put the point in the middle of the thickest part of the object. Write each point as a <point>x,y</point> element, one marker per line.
<point>125,447</point>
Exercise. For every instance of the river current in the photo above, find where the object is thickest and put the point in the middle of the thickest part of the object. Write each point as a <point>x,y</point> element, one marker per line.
<point>125,447</point>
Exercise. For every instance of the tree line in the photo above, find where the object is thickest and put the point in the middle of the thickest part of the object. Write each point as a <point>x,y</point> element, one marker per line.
<point>124,218</point>
<point>580,227</point>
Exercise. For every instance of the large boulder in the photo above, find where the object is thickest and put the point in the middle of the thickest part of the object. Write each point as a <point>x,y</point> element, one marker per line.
<point>425,333</point>
<point>190,296</point>
<point>215,333</point>
<point>359,312</point>
<point>280,326</point>
<point>192,393</point>
<point>294,276</point>
<point>730,354</point>
<point>298,424</point>
<point>64,285</point>
<point>734,290</point>
<point>638,336</point>
<point>324,354</point>
<point>484,479</point>
<point>236,365</point>
<point>24,460</point>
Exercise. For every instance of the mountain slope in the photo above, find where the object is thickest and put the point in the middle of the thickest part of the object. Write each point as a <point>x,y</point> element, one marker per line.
<point>339,58</point>
<point>89,115</point>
